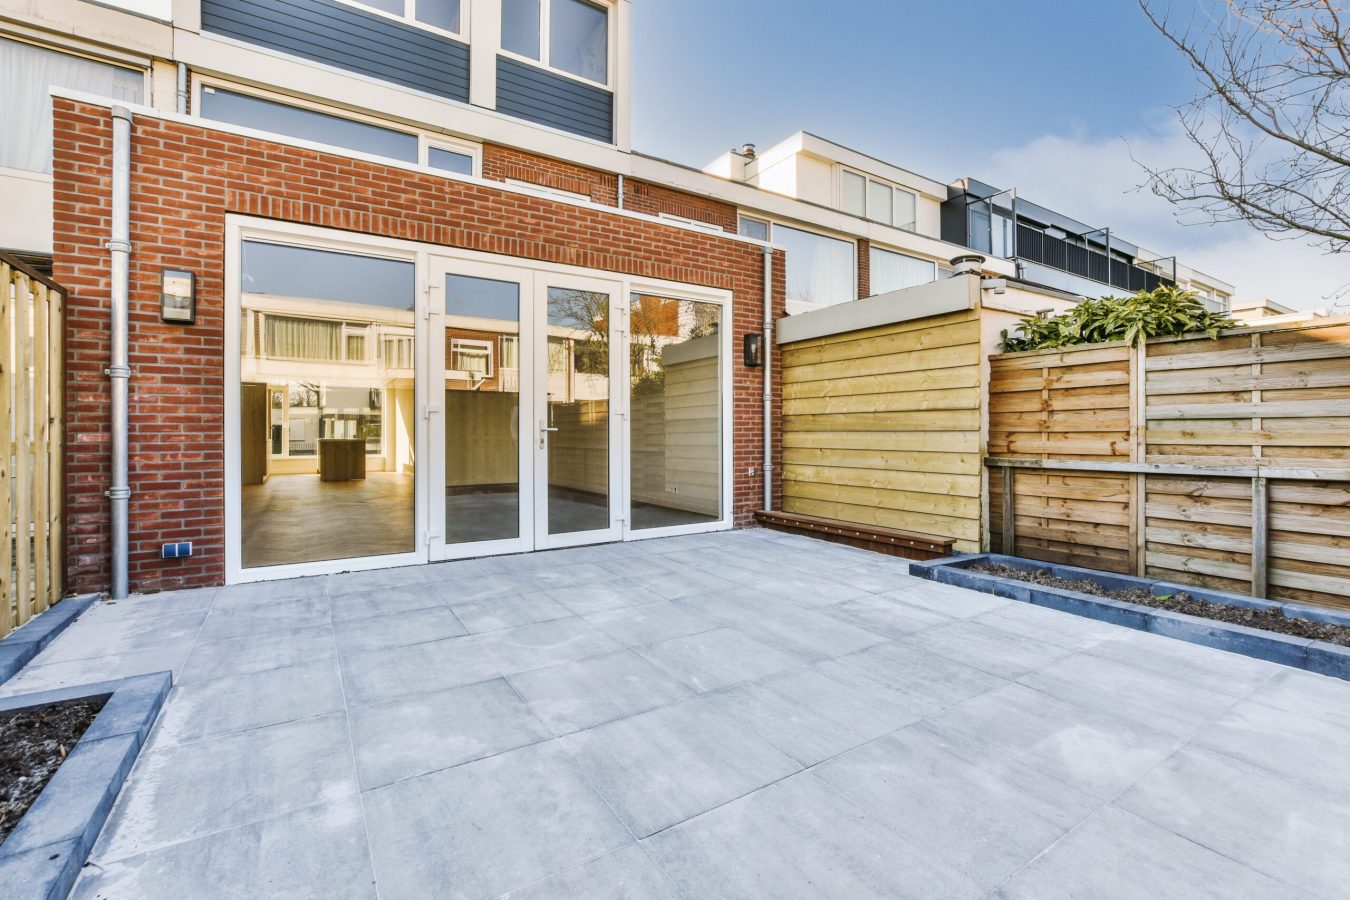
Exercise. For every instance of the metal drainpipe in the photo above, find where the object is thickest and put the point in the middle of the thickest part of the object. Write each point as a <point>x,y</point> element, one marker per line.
<point>621,187</point>
<point>768,379</point>
<point>119,373</point>
<point>181,107</point>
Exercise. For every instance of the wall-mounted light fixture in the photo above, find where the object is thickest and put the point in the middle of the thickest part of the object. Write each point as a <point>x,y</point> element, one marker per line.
<point>753,350</point>
<point>178,296</point>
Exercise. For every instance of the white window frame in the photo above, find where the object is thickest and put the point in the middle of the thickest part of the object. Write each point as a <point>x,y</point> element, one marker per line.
<point>474,346</point>
<point>545,21</point>
<point>768,226</point>
<point>870,215</point>
<point>425,139</point>
<point>409,17</point>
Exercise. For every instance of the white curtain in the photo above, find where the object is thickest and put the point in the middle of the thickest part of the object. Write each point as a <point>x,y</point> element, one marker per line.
<point>820,270</point>
<point>893,271</point>
<point>27,75</point>
<point>286,338</point>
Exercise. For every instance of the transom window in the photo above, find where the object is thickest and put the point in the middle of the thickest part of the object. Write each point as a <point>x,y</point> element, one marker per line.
<point>443,14</point>
<point>868,198</point>
<point>571,36</point>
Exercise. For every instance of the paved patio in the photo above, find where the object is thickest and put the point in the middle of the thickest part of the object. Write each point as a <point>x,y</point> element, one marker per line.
<point>734,715</point>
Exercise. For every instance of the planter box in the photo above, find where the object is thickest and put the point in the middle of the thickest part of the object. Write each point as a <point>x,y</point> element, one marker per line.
<point>1301,653</point>
<point>44,853</point>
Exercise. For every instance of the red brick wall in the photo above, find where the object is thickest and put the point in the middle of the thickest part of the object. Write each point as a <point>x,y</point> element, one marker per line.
<point>502,163</point>
<point>185,180</point>
<point>864,269</point>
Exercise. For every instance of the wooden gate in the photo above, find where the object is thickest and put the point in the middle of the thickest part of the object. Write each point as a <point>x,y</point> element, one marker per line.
<point>32,437</point>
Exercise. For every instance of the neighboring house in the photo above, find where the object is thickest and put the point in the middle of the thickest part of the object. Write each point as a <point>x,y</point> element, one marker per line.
<point>1055,251</point>
<point>443,309</point>
<point>1268,312</point>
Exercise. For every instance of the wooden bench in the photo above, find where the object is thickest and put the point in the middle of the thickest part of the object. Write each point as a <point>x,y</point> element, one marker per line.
<point>891,541</point>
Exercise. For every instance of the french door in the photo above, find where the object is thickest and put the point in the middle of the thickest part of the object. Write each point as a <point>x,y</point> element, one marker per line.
<point>524,411</point>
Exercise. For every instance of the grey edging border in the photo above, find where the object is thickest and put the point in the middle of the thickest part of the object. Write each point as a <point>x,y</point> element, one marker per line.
<point>44,853</point>
<point>27,641</point>
<point>1301,653</point>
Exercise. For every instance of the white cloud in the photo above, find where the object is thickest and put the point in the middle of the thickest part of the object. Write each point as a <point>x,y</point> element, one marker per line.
<point>1096,180</point>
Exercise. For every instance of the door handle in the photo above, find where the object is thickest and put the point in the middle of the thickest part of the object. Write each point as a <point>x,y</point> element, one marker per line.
<point>544,430</point>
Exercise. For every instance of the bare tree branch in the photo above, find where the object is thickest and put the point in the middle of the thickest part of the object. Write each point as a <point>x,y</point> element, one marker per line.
<point>1271,117</point>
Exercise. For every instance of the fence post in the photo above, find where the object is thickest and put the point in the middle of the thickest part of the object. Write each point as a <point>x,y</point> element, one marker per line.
<point>1260,535</point>
<point>23,448</point>
<point>1139,453</point>
<point>1009,512</point>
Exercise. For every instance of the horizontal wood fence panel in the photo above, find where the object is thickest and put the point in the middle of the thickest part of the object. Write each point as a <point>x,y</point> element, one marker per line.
<point>1237,453</point>
<point>883,427</point>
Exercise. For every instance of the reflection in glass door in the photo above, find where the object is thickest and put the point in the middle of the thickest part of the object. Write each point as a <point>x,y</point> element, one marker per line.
<point>482,410</point>
<point>575,429</point>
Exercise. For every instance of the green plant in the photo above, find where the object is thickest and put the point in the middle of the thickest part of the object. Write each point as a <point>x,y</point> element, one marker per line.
<point>1162,312</point>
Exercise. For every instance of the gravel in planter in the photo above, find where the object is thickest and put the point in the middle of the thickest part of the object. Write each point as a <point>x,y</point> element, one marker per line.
<point>1265,619</point>
<point>33,744</point>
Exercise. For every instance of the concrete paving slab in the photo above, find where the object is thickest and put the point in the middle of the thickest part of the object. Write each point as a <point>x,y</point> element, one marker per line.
<point>1287,743</point>
<point>1311,695</point>
<point>911,678</point>
<point>398,630</point>
<point>422,733</point>
<point>715,659</point>
<point>1275,825</point>
<point>1118,856</point>
<point>799,839</point>
<point>381,675</point>
<point>226,705</point>
<point>488,827</point>
<point>507,611</point>
<point>627,874</point>
<point>385,601</point>
<point>590,692</point>
<point>592,598</point>
<point>241,615</point>
<point>223,657</point>
<point>648,624</point>
<point>1000,653</point>
<point>545,644</point>
<point>182,791</point>
<point>318,851</point>
<point>885,617</point>
<point>662,767</point>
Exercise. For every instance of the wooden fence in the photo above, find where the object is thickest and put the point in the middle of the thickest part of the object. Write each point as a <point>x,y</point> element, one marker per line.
<point>1220,463</point>
<point>881,426</point>
<point>32,563</point>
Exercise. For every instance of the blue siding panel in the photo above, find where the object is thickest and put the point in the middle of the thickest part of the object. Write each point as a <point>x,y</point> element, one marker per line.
<point>347,38</point>
<point>528,92</point>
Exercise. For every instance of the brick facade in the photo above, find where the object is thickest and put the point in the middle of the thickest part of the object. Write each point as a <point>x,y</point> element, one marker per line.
<point>864,269</point>
<point>185,180</point>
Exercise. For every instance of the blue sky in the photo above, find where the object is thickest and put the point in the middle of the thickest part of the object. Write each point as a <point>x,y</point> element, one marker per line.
<point>1052,96</point>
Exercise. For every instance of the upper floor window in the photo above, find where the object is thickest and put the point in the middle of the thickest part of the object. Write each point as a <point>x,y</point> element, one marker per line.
<point>295,121</point>
<point>750,227</point>
<point>442,14</point>
<point>571,36</point>
<point>821,270</point>
<point>27,75</point>
<point>879,201</point>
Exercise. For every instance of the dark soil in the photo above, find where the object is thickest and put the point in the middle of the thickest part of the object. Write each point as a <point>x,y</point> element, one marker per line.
<point>1267,620</point>
<point>33,744</point>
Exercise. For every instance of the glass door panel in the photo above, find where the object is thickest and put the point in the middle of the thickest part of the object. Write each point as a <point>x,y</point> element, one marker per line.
<point>575,430</point>
<point>675,412</point>
<point>482,410</point>
<point>327,429</point>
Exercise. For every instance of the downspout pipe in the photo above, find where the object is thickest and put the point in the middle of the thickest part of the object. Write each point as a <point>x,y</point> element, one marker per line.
<point>181,105</point>
<point>119,372</point>
<point>768,378</point>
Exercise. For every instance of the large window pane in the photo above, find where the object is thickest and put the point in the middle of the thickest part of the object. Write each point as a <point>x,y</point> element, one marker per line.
<point>327,425</point>
<point>389,6</point>
<point>482,410</point>
<point>905,210</point>
<point>893,271</point>
<point>675,419</point>
<point>579,39</point>
<point>27,75</point>
<point>879,203</point>
<point>578,411</point>
<point>854,189</point>
<point>439,13</point>
<point>306,124</point>
<point>520,27</point>
<point>820,270</point>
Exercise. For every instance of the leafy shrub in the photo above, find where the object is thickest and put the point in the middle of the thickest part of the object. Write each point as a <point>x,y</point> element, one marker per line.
<point>1162,312</point>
